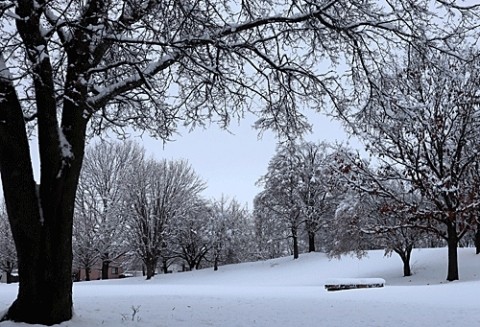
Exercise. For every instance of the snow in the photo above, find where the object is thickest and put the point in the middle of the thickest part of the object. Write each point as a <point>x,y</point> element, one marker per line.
<point>285,292</point>
<point>4,71</point>
<point>65,147</point>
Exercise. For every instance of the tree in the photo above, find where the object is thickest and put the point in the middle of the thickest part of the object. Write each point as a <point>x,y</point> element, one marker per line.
<point>270,232</point>
<point>74,68</point>
<point>299,181</point>
<point>423,122</point>
<point>85,254</point>
<point>160,193</point>
<point>366,221</point>
<point>318,189</point>
<point>100,207</point>
<point>8,255</point>
<point>281,196</point>
<point>191,238</point>
<point>229,232</point>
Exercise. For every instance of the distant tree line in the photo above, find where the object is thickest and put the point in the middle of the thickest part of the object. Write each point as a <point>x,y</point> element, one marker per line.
<point>419,188</point>
<point>132,208</point>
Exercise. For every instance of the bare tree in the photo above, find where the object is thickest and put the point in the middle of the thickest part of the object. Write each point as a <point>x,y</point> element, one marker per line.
<point>423,122</point>
<point>318,188</point>
<point>160,193</point>
<point>271,233</point>
<point>191,239</point>
<point>228,231</point>
<point>67,68</point>
<point>85,254</point>
<point>100,218</point>
<point>366,221</point>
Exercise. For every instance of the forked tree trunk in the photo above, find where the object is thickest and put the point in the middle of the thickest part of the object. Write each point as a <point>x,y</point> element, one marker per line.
<point>151,265</point>
<point>40,219</point>
<point>405,256</point>
<point>44,265</point>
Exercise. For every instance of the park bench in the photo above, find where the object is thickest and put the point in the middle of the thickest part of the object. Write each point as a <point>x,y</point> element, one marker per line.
<point>338,284</point>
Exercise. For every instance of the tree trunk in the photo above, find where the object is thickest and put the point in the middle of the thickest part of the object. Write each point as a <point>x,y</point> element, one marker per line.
<point>40,218</point>
<point>452,241</point>
<point>151,264</point>
<point>477,240</point>
<point>45,277</point>
<point>105,268</point>
<point>405,256</point>
<point>165,266</point>
<point>407,271</point>
<point>215,263</point>
<point>9,277</point>
<point>295,243</point>
<point>311,241</point>
<point>87,274</point>
<point>41,221</point>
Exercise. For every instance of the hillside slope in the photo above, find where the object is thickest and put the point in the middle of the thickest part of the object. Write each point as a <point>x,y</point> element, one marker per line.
<point>285,292</point>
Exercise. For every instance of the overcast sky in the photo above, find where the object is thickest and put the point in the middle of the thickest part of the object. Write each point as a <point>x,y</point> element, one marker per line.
<point>231,163</point>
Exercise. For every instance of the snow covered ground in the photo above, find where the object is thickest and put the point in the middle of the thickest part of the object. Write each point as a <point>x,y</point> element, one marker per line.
<point>284,292</point>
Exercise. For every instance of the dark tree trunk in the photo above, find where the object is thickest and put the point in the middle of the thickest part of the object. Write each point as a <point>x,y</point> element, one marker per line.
<point>87,274</point>
<point>40,219</point>
<point>452,242</point>
<point>9,277</point>
<point>407,271</point>
<point>477,240</point>
<point>215,263</point>
<point>405,256</point>
<point>165,266</point>
<point>151,264</point>
<point>311,241</point>
<point>105,268</point>
<point>45,274</point>
<point>295,243</point>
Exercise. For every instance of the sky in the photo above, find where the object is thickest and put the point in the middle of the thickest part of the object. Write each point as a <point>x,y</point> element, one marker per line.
<point>232,162</point>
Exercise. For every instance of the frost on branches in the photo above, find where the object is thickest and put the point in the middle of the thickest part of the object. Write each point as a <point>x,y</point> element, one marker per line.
<point>78,68</point>
<point>423,123</point>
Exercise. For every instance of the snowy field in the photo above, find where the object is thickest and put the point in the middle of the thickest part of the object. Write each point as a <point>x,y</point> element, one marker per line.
<point>284,292</point>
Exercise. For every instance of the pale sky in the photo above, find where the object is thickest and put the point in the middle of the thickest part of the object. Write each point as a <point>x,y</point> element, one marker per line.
<point>231,163</point>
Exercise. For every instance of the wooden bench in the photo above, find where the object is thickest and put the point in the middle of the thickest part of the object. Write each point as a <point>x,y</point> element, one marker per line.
<point>339,284</point>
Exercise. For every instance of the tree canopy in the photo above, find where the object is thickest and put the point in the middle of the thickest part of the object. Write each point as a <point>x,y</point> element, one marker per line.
<point>77,68</point>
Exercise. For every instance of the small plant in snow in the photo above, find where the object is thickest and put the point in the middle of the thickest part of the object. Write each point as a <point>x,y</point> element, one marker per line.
<point>133,316</point>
